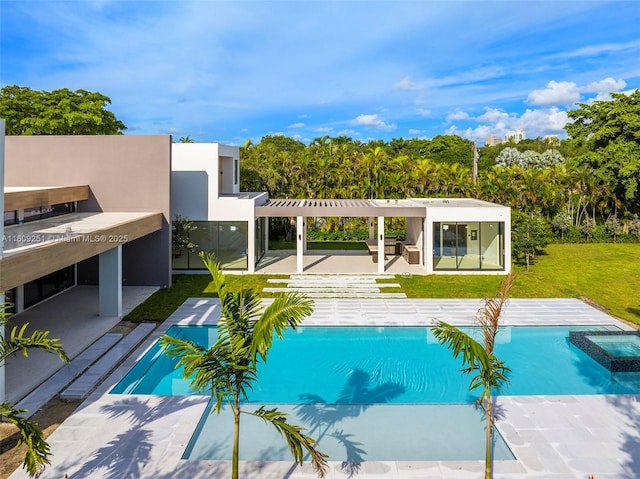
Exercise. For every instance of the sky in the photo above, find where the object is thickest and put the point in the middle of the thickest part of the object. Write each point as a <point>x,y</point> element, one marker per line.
<point>229,71</point>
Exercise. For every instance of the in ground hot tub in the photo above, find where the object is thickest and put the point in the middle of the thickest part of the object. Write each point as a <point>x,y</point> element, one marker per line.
<point>618,351</point>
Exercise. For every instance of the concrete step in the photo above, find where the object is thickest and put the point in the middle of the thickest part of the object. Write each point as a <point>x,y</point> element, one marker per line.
<point>82,386</point>
<point>321,289</point>
<point>355,294</point>
<point>336,285</point>
<point>345,277</point>
<point>35,400</point>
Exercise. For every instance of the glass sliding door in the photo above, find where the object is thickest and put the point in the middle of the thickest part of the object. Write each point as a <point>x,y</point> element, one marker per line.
<point>492,245</point>
<point>227,240</point>
<point>260,239</point>
<point>468,246</point>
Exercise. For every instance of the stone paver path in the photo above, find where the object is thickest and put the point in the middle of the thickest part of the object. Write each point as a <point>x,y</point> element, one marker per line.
<point>336,286</point>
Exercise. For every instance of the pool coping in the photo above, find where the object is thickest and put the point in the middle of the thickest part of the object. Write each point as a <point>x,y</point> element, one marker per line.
<point>551,436</point>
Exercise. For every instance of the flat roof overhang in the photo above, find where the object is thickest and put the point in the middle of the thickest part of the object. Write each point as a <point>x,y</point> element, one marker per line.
<point>21,197</point>
<point>38,248</point>
<point>340,208</point>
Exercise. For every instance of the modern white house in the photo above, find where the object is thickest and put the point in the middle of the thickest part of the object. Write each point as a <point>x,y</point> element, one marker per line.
<point>444,236</point>
<point>97,211</point>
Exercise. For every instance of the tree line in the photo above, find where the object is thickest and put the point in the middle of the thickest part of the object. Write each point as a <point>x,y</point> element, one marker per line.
<point>583,186</point>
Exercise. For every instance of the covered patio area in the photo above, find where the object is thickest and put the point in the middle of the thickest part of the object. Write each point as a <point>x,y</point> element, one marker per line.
<point>72,317</point>
<point>374,210</point>
<point>333,262</point>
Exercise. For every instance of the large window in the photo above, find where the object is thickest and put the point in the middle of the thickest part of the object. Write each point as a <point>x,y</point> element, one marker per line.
<point>41,212</point>
<point>468,246</point>
<point>226,239</point>
<point>45,287</point>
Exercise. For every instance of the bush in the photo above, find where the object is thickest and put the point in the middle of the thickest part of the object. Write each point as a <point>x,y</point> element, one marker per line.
<point>613,226</point>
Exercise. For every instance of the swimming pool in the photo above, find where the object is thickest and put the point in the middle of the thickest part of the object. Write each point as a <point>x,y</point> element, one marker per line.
<point>358,389</point>
<point>395,365</point>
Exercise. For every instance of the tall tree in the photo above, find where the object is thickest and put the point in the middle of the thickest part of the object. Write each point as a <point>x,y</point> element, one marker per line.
<point>530,233</point>
<point>611,132</point>
<point>229,367</point>
<point>59,112</point>
<point>37,455</point>
<point>479,359</point>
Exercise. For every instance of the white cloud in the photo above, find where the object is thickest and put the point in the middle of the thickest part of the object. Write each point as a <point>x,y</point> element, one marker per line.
<point>556,93</point>
<point>457,115</point>
<point>535,123</point>
<point>407,84</point>
<point>413,131</point>
<point>296,125</point>
<point>603,88</point>
<point>423,111</point>
<point>372,121</point>
<point>348,133</point>
<point>542,122</point>
<point>497,118</point>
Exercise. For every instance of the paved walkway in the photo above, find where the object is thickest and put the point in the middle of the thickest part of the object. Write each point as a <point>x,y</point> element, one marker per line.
<point>552,437</point>
<point>336,286</point>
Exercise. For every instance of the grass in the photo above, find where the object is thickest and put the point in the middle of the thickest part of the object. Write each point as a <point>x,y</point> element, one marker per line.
<point>605,274</point>
<point>162,303</point>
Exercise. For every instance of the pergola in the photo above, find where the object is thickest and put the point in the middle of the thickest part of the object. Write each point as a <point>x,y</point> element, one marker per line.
<point>301,209</point>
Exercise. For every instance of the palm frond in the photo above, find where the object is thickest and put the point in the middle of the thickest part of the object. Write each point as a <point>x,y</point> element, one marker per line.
<point>39,339</point>
<point>38,451</point>
<point>489,315</point>
<point>297,441</point>
<point>459,342</point>
<point>287,310</point>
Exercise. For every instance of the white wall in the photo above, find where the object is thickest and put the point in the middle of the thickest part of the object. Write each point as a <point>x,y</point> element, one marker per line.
<point>452,212</point>
<point>200,174</point>
<point>205,186</point>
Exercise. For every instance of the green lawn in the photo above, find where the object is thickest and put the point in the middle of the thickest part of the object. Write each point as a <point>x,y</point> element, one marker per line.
<point>165,301</point>
<point>607,274</point>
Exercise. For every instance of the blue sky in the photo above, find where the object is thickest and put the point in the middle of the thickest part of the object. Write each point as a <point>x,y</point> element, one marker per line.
<point>232,71</point>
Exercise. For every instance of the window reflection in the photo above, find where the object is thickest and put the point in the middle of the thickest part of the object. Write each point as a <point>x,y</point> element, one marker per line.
<point>468,246</point>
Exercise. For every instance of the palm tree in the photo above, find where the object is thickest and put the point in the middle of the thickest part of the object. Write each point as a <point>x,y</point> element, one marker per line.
<point>478,358</point>
<point>37,455</point>
<point>229,367</point>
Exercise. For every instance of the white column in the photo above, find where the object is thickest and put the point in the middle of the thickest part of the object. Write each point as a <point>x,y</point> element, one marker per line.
<point>18,300</point>
<point>266,233</point>
<point>110,286</point>
<point>380,244</point>
<point>300,244</point>
<point>372,230</point>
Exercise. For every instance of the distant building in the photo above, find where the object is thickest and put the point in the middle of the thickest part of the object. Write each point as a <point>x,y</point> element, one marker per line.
<point>492,140</point>
<point>515,135</point>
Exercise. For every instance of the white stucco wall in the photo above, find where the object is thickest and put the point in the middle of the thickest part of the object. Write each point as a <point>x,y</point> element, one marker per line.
<point>465,211</point>
<point>201,174</point>
<point>205,186</point>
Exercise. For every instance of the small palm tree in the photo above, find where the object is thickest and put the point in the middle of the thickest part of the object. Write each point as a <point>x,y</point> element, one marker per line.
<point>37,455</point>
<point>229,367</point>
<point>478,358</point>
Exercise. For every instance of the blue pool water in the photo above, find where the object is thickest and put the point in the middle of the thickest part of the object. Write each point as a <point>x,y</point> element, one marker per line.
<point>396,365</point>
